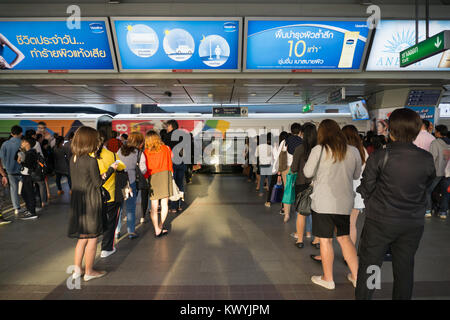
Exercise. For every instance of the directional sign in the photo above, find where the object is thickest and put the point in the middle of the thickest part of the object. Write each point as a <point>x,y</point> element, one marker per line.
<point>427,48</point>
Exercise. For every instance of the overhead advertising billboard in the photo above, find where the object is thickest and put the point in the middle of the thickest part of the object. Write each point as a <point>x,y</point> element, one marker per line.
<point>177,44</point>
<point>285,44</point>
<point>48,45</point>
<point>394,36</point>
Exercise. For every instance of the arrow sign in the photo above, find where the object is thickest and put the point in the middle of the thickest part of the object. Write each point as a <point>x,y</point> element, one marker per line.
<point>425,49</point>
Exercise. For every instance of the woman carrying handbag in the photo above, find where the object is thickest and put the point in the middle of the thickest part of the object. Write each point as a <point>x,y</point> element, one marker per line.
<point>301,155</point>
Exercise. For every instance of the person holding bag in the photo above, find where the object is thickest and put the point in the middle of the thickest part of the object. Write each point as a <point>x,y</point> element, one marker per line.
<point>301,155</point>
<point>131,156</point>
<point>332,198</point>
<point>160,174</point>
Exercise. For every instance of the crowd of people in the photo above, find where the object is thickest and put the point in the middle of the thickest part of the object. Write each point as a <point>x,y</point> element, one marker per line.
<point>105,175</point>
<point>396,181</point>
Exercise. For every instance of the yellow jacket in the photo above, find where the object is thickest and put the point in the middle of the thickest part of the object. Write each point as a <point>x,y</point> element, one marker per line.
<point>107,159</point>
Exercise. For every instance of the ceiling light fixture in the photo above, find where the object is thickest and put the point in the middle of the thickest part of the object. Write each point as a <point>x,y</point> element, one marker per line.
<point>200,85</point>
<point>271,85</point>
<point>404,84</point>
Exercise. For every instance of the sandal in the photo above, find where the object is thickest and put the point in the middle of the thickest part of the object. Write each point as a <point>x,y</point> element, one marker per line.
<point>314,258</point>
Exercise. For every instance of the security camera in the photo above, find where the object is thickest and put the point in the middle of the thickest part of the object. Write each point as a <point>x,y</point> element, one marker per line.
<point>168,93</point>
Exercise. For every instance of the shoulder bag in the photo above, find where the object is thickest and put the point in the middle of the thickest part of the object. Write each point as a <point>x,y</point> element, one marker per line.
<point>303,201</point>
<point>141,182</point>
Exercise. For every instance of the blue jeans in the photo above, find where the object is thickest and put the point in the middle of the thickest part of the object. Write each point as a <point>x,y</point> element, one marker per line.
<point>130,204</point>
<point>261,183</point>
<point>309,224</point>
<point>13,189</point>
<point>178,175</point>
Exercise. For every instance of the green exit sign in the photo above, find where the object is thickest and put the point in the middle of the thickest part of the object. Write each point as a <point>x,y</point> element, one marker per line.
<point>427,48</point>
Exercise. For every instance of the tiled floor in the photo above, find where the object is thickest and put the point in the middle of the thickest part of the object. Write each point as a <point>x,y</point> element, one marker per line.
<point>224,245</point>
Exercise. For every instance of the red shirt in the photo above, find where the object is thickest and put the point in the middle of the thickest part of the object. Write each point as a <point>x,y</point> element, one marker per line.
<point>158,161</point>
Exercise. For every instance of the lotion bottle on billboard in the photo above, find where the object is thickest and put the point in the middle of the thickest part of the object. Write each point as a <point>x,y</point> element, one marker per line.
<point>445,60</point>
<point>348,49</point>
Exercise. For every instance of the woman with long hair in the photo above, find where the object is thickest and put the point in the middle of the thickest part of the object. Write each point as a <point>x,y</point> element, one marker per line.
<point>332,198</point>
<point>131,155</point>
<point>301,155</point>
<point>353,139</point>
<point>86,205</point>
<point>159,172</point>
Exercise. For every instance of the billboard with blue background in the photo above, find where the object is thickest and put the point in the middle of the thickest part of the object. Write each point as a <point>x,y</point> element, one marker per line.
<point>46,44</point>
<point>426,113</point>
<point>165,44</point>
<point>305,44</point>
<point>394,36</point>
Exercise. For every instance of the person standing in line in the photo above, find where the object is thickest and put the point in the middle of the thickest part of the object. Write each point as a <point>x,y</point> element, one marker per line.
<point>179,169</point>
<point>86,204</point>
<point>289,145</point>
<point>333,198</point>
<point>130,155</point>
<point>424,138</point>
<point>159,167</point>
<point>264,154</point>
<point>62,160</point>
<point>301,155</point>
<point>8,153</point>
<point>440,149</point>
<point>124,138</point>
<point>28,159</point>
<point>42,129</point>
<point>393,186</point>
<point>353,139</point>
<point>105,159</point>
<point>3,195</point>
<point>41,190</point>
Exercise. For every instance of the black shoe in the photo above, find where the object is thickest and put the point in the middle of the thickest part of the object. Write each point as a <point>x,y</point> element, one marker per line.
<point>4,221</point>
<point>28,216</point>
<point>132,236</point>
<point>300,245</point>
<point>316,245</point>
<point>387,257</point>
<point>313,256</point>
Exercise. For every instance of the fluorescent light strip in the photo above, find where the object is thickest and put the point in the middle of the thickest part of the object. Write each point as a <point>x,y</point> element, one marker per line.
<point>339,84</point>
<point>271,84</point>
<point>59,85</point>
<point>200,85</point>
<point>404,84</point>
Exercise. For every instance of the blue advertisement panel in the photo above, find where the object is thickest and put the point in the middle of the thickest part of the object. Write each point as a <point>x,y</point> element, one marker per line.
<point>48,44</point>
<point>425,113</point>
<point>394,36</point>
<point>311,45</point>
<point>165,44</point>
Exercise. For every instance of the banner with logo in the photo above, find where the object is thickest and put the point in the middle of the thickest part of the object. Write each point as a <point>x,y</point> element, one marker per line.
<point>394,36</point>
<point>178,44</point>
<point>285,45</point>
<point>48,45</point>
<point>426,113</point>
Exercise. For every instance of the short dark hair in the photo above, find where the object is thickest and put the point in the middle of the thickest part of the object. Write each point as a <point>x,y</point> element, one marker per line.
<point>173,123</point>
<point>114,134</point>
<point>31,141</point>
<point>42,123</point>
<point>426,123</point>
<point>125,136</point>
<point>15,130</point>
<point>30,132</point>
<point>442,129</point>
<point>296,128</point>
<point>404,125</point>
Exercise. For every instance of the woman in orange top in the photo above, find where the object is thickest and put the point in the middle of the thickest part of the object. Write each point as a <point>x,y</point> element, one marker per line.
<point>159,172</point>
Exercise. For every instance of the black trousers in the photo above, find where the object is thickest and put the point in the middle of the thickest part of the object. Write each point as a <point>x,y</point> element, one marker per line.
<point>273,182</point>
<point>376,238</point>
<point>145,196</point>
<point>28,194</point>
<point>110,220</point>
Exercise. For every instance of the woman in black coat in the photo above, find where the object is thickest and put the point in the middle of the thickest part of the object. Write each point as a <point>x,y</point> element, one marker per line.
<point>85,222</point>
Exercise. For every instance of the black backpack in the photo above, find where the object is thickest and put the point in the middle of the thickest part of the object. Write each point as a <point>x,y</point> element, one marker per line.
<point>41,169</point>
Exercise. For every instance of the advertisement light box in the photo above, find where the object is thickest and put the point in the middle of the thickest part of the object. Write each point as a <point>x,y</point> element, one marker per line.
<point>49,45</point>
<point>177,44</point>
<point>282,44</point>
<point>394,36</point>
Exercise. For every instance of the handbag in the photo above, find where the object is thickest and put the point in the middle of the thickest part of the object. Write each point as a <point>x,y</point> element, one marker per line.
<point>277,192</point>
<point>289,190</point>
<point>141,182</point>
<point>303,201</point>
<point>176,193</point>
<point>122,185</point>
<point>283,162</point>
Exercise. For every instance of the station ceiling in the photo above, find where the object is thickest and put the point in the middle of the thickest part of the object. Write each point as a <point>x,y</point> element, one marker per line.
<point>195,91</point>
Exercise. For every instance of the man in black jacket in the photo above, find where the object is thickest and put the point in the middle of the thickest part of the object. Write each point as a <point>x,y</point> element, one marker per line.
<point>393,187</point>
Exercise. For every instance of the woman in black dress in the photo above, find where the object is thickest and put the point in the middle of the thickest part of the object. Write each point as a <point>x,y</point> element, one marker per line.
<point>85,221</point>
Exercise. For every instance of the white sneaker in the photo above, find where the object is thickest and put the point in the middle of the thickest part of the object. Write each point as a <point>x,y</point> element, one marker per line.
<point>326,284</point>
<point>353,281</point>
<point>428,215</point>
<point>105,253</point>
<point>87,277</point>
<point>443,216</point>
<point>142,220</point>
